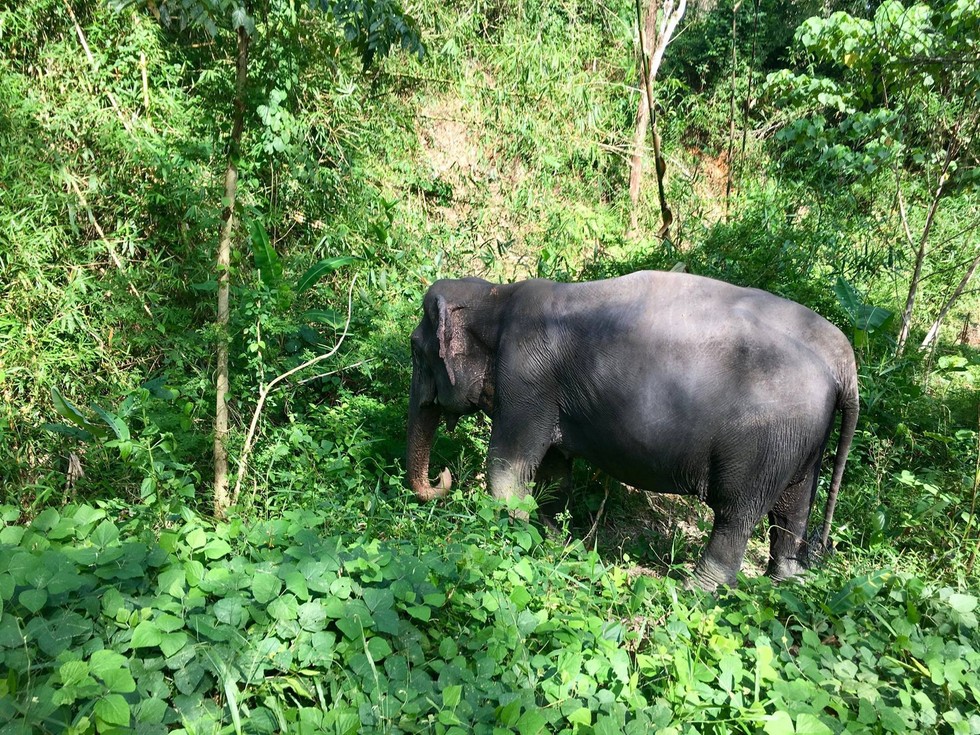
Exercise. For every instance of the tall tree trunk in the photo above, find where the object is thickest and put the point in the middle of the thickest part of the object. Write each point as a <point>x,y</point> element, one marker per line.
<point>642,113</point>
<point>221,499</point>
<point>656,37</point>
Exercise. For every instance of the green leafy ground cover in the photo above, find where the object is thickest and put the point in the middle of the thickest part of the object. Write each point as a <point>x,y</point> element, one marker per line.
<point>286,625</point>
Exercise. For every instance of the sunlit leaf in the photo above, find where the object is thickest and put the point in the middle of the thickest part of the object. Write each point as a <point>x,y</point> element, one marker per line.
<point>266,259</point>
<point>322,268</point>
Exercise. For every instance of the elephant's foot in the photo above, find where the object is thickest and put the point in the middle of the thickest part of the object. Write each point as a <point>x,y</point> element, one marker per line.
<point>709,576</point>
<point>786,570</point>
<point>817,551</point>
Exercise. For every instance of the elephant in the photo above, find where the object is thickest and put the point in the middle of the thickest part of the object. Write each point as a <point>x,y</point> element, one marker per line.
<point>667,381</point>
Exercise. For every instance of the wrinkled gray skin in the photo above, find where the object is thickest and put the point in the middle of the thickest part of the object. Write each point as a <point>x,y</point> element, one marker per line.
<point>667,381</point>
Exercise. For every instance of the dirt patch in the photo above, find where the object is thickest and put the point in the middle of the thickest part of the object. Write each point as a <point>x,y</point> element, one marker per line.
<point>709,179</point>
<point>466,183</point>
<point>660,532</point>
<point>449,143</point>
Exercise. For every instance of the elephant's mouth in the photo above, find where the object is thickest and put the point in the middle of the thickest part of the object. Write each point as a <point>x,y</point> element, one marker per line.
<point>451,420</point>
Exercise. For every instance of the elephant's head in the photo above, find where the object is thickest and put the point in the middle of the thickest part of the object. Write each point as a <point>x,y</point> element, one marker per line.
<point>452,357</point>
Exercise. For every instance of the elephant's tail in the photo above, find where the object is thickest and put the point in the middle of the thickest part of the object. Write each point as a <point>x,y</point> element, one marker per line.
<point>849,406</point>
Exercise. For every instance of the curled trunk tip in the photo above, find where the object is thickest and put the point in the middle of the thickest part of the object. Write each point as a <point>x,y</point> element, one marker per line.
<point>442,487</point>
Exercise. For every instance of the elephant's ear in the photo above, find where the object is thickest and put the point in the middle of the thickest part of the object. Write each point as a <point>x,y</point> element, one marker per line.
<point>448,340</point>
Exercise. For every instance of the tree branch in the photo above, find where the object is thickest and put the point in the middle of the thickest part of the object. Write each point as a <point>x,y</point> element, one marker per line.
<point>957,292</point>
<point>920,255</point>
<point>649,69</point>
<point>264,393</point>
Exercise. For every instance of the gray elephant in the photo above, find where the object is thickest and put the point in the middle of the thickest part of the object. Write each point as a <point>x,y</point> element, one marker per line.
<point>669,382</point>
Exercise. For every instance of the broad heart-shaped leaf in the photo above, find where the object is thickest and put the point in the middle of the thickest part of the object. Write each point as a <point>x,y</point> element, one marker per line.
<point>808,724</point>
<point>73,672</point>
<point>217,548</point>
<point>11,535</point>
<point>45,520</point>
<point>265,586</point>
<point>962,603</point>
<point>33,600</point>
<point>284,607</point>
<point>451,695</point>
<point>379,648</point>
<point>105,534</point>
<point>119,680</point>
<point>531,723</point>
<point>146,635</point>
<point>321,268</point>
<point>151,711</point>
<point>342,721</point>
<point>231,611</point>
<point>104,661</point>
<point>266,259</point>
<point>171,643</point>
<point>780,723</point>
<point>111,710</point>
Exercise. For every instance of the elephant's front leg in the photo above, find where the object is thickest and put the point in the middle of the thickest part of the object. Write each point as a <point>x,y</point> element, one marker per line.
<point>517,447</point>
<point>723,555</point>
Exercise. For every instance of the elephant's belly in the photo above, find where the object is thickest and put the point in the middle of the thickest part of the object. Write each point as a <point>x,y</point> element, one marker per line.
<point>668,463</point>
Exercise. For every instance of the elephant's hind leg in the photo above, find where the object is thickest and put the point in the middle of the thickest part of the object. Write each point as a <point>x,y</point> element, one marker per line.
<point>553,482</point>
<point>788,520</point>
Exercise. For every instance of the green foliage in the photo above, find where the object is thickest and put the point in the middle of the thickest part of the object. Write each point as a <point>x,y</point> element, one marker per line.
<point>332,601</point>
<point>282,622</point>
<point>866,319</point>
<point>372,27</point>
<point>896,88</point>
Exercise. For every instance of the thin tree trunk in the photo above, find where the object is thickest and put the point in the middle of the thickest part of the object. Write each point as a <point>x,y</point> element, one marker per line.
<point>642,115</point>
<point>658,37</point>
<point>933,332</point>
<point>731,112</point>
<point>748,94</point>
<point>920,255</point>
<point>221,499</point>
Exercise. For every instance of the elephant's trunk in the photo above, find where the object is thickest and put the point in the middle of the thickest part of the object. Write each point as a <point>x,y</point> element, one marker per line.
<point>422,424</point>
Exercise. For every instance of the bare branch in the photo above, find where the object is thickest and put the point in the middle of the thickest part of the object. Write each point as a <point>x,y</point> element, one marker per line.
<point>920,255</point>
<point>902,213</point>
<point>264,393</point>
<point>646,112</point>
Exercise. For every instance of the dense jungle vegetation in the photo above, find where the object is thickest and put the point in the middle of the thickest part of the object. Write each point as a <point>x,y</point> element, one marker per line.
<point>240,204</point>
